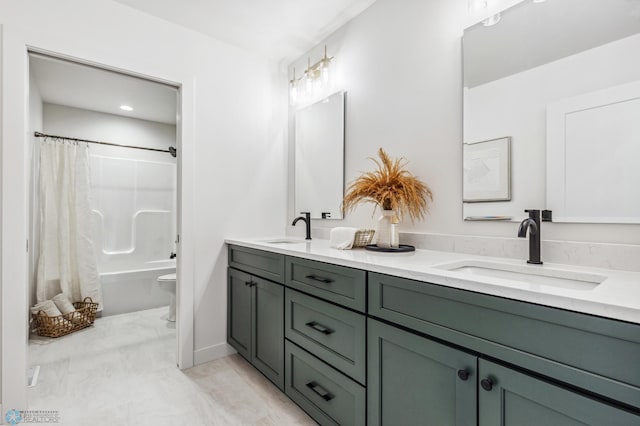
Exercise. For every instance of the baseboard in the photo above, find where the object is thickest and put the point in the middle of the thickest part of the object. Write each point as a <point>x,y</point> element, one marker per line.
<point>211,353</point>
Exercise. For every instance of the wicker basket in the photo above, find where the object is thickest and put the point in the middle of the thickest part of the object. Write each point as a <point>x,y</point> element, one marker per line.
<point>83,316</point>
<point>363,238</point>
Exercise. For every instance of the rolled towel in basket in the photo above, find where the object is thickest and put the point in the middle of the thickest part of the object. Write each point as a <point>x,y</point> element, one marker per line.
<point>63,304</point>
<point>342,237</point>
<point>48,307</point>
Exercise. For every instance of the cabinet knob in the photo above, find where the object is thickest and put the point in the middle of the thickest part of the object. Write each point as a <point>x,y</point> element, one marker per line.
<point>487,384</point>
<point>463,374</point>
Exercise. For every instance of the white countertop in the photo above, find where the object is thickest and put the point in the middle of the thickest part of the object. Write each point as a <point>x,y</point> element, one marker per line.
<point>617,297</point>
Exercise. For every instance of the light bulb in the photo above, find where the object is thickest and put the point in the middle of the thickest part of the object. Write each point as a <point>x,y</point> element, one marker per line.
<point>325,73</point>
<point>309,84</point>
<point>293,92</point>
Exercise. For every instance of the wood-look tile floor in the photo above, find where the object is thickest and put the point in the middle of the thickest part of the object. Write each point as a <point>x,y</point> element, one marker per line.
<point>122,371</point>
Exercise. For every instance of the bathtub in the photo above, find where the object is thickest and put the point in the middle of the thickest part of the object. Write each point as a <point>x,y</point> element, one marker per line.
<point>135,289</point>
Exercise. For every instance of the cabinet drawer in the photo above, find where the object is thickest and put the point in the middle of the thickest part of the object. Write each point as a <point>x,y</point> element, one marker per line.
<point>330,397</point>
<point>261,263</point>
<point>557,343</point>
<point>339,284</point>
<point>334,334</point>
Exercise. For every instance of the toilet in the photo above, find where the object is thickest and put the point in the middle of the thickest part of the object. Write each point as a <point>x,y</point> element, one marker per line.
<point>168,284</point>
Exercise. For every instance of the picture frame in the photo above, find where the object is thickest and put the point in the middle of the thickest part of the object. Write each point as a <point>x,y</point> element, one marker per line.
<point>487,171</point>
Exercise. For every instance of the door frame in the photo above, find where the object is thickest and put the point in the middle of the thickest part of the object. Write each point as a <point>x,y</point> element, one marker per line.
<point>14,206</point>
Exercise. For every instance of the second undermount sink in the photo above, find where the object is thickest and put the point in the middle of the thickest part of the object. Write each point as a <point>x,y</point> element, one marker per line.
<point>284,241</point>
<point>530,277</point>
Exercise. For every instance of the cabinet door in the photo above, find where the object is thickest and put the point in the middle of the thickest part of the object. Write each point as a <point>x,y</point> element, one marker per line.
<point>239,312</point>
<point>267,353</point>
<point>510,398</point>
<point>416,381</point>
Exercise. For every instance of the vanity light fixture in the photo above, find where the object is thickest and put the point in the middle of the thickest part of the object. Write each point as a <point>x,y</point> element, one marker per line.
<point>316,78</point>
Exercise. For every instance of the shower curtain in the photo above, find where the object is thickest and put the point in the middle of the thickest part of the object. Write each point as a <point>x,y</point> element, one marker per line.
<point>67,260</point>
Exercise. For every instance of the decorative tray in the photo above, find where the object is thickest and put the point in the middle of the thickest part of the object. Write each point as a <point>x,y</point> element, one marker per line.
<point>403,248</point>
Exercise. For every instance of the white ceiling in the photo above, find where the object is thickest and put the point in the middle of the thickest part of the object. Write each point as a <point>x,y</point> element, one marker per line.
<point>282,30</point>
<point>66,83</point>
<point>532,34</point>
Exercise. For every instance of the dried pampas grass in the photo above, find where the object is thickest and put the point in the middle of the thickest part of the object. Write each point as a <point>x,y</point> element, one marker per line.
<point>391,187</point>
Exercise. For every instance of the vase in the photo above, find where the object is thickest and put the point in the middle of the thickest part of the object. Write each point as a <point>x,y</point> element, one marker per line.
<point>387,232</point>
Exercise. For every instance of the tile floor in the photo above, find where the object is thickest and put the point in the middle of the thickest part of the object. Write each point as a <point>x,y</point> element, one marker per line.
<point>122,371</point>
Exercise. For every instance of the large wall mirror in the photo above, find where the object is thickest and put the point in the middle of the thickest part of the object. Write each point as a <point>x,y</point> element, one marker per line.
<point>319,158</point>
<point>558,81</point>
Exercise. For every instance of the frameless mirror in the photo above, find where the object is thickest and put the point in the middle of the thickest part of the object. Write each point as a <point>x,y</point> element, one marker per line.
<point>319,158</point>
<point>561,80</point>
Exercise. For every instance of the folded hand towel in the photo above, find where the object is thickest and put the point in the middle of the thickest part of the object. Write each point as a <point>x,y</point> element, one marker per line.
<point>342,237</point>
<point>48,307</point>
<point>62,303</point>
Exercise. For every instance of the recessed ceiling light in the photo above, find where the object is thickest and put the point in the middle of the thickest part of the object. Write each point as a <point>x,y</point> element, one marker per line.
<point>126,108</point>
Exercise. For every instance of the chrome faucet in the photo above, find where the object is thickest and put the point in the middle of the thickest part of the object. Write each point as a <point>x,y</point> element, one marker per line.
<point>307,220</point>
<point>532,223</point>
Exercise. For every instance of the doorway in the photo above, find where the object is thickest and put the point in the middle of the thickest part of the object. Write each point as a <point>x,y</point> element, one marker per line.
<point>129,128</point>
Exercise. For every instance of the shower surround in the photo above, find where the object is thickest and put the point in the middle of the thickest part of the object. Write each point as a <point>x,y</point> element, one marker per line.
<point>134,228</point>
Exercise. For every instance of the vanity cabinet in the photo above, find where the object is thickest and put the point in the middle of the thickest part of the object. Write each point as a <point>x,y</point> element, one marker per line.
<point>442,385</point>
<point>510,398</point>
<point>353,347</point>
<point>325,350</point>
<point>255,322</point>
<point>337,284</point>
<point>559,357</point>
<point>332,333</point>
<point>416,381</point>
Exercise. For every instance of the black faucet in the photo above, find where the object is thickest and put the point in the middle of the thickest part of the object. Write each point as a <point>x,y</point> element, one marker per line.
<point>532,223</point>
<point>173,255</point>
<point>307,220</point>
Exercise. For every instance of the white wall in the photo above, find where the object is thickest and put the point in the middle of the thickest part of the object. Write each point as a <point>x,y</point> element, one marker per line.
<point>233,172</point>
<point>400,63</point>
<point>81,123</point>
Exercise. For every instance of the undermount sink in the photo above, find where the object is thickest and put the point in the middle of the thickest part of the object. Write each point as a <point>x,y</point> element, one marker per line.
<point>284,241</point>
<point>531,277</point>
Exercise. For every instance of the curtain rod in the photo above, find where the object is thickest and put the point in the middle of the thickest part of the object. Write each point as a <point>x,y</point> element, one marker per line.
<point>171,149</point>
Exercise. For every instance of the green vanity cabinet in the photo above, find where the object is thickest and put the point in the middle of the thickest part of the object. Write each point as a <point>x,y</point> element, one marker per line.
<point>353,347</point>
<point>257,262</point>
<point>510,398</point>
<point>239,311</point>
<point>327,395</point>
<point>255,322</point>
<point>416,381</point>
<point>337,284</point>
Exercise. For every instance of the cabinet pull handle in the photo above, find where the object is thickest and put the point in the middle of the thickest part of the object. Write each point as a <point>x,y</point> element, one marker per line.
<point>487,384</point>
<point>250,283</point>
<point>319,327</point>
<point>320,391</point>
<point>319,279</point>
<point>463,374</point>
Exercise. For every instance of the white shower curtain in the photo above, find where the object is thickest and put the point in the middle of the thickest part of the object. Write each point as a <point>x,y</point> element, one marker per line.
<point>67,260</point>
